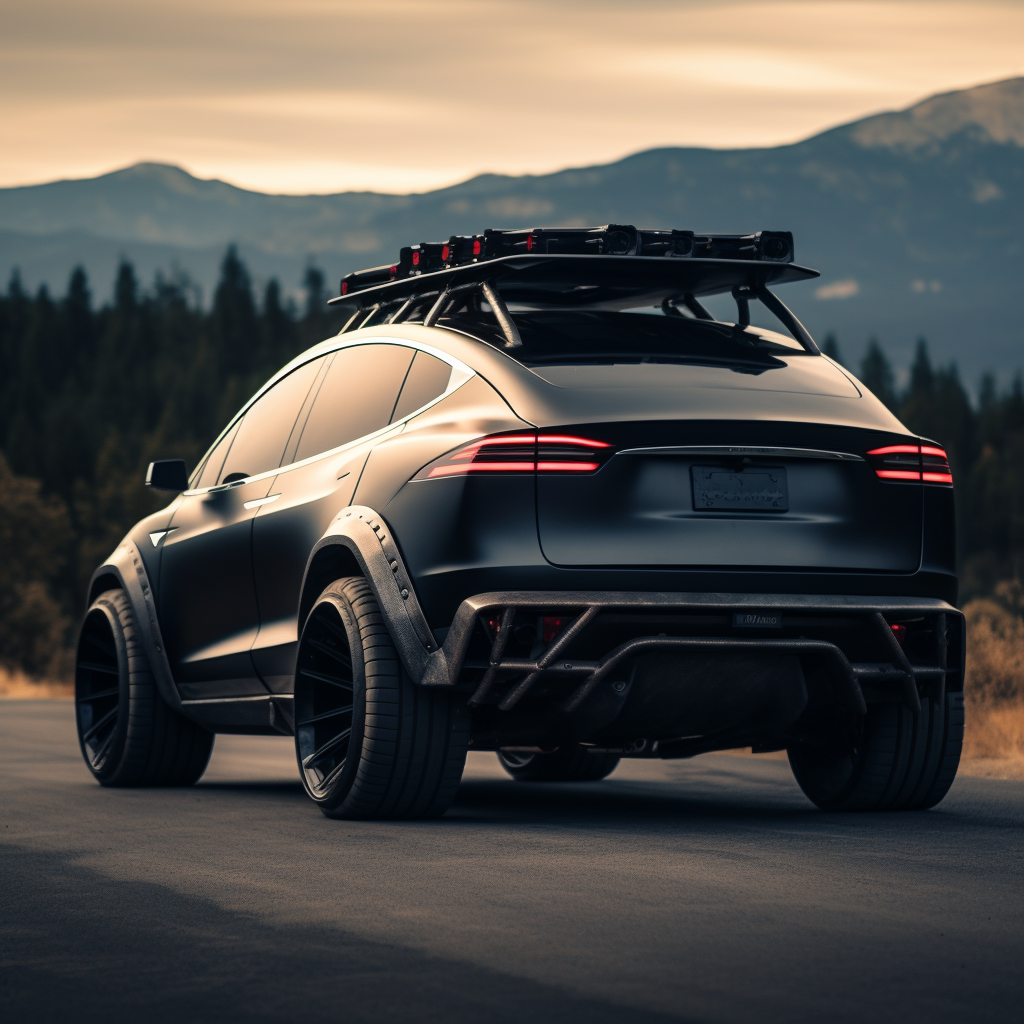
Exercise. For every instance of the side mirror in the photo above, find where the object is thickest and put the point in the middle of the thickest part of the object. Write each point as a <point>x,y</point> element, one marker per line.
<point>167,475</point>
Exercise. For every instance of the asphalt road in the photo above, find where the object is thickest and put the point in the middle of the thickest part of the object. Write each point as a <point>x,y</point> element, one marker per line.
<point>703,890</point>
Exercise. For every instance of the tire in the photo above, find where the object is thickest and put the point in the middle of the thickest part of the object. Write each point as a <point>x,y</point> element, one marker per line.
<point>892,759</point>
<point>369,742</point>
<point>127,733</point>
<point>572,765</point>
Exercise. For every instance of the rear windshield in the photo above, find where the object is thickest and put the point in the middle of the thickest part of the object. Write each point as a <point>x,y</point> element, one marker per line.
<point>560,337</point>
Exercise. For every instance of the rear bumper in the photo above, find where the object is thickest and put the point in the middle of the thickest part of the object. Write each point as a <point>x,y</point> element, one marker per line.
<point>847,640</point>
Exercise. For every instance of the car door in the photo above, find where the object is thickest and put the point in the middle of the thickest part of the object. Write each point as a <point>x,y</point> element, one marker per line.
<point>355,403</point>
<point>209,615</point>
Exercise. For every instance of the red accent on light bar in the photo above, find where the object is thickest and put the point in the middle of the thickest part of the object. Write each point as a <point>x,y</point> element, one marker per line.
<point>898,474</point>
<point>937,478</point>
<point>898,631</point>
<point>476,246</point>
<point>394,273</point>
<point>444,252</point>
<point>932,451</point>
<point>530,243</point>
<point>344,287</point>
<point>893,449</point>
<point>415,259</point>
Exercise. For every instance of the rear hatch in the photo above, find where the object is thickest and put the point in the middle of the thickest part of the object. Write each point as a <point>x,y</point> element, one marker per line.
<point>752,470</point>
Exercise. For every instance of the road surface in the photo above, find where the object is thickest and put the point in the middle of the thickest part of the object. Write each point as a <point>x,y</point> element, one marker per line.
<point>702,890</point>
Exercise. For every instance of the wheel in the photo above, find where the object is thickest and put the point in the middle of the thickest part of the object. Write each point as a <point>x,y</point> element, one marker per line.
<point>892,759</point>
<point>370,743</point>
<point>128,734</point>
<point>574,764</point>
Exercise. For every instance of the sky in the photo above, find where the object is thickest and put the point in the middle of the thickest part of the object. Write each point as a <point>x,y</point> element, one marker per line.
<point>407,95</point>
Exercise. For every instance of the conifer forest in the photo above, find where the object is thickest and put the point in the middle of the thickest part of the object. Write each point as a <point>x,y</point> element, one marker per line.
<point>91,392</point>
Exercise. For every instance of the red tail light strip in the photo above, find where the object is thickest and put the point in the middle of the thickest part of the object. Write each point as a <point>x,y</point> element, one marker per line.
<point>522,453</point>
<point>911,462</point>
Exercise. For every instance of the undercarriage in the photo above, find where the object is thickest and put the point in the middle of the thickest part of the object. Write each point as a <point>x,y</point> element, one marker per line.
<point>674,675</point>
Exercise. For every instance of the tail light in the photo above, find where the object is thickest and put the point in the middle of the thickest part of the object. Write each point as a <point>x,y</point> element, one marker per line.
<point>521,453</point>
<point>914,463</point>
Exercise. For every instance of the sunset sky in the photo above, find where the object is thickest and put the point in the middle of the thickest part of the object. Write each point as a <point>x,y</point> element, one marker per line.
<point>406,95</point>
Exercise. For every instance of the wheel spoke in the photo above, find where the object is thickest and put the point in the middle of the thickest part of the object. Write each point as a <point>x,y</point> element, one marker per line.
<point>331,744</point>
<point>320,677</point>
<point>331,652</point>
<point>95,666</point>
<point>326,714</point>
<point>332,775</point>
<point>333,627</point>
<point>106,648</point>
<point>99,724</point>
<point>99,696</point>
<point>102,748</point>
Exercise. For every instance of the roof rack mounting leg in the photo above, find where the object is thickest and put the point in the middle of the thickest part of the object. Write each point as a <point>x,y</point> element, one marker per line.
<point>785,317</point>
<point>742,294</point>
<point>501,314</point>
<point>352,319</point>
<point>435,311</point>
<point>691,303</point>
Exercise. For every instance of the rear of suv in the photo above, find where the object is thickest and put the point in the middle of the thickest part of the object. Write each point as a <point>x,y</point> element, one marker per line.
<point>535,499</point>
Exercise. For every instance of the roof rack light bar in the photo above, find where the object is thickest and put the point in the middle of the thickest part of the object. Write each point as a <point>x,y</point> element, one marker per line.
<point>610,240</point>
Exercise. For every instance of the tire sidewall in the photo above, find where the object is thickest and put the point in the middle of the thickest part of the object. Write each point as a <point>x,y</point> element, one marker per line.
<point>105,606</point>
<point>334,798</point>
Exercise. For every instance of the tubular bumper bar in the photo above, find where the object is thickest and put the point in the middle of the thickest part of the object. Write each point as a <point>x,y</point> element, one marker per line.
<point>874,614</point>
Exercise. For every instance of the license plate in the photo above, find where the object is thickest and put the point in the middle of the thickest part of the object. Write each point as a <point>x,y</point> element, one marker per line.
<point>751,489</point>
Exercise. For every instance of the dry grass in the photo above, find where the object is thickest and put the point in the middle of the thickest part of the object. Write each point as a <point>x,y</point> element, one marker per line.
<point>16,685</point>
<point>994,734</point>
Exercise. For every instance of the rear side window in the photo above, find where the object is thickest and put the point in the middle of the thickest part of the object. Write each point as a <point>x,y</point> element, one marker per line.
<point>357,397</point>
<point>427,379</point>
<point>265,428</point>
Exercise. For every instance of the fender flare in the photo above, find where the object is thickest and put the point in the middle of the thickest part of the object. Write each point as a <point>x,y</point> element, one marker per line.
<point>127,566</point>
<point>366,534</point>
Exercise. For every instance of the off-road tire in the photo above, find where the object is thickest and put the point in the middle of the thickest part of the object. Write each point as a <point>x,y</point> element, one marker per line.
<point>892,759</point>
<point>574,764</point>
<point>370,743</point>
<point>128,734</point>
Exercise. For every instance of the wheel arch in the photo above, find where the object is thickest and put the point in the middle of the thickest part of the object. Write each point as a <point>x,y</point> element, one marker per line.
<point>125,570</point>
<point>359,543</point>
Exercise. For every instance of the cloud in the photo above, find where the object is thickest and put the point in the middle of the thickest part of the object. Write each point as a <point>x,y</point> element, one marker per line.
<point>405,95</point>
<point>837,290</point>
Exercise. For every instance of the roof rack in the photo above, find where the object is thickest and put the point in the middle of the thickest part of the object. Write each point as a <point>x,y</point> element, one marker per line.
<point>617,266</point>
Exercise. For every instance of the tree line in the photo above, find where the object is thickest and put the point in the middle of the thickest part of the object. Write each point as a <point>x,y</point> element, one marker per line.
<point>90,394</point>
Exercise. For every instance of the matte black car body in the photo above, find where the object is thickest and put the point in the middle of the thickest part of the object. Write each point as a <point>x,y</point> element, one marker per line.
<point>604,607</point>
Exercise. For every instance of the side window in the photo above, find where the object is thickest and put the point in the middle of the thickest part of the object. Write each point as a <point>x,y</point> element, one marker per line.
<point>260,440</point>
<point>211,469</point>
<point>427,379</point>
<point>357,397</point>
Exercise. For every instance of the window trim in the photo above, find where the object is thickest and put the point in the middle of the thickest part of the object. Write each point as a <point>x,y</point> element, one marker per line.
<point>461,373</point>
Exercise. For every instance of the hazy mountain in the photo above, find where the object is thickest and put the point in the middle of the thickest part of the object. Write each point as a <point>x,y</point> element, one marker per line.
<point>915,218</point>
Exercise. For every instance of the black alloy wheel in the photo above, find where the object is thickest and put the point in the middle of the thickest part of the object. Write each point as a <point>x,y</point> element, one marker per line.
<point>572,764</point>
<point>129,736</point>
<point>369,742</point>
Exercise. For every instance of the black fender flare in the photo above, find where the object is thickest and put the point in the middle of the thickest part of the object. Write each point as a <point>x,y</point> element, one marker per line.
<point>126,565</point>
<point>366,534</point>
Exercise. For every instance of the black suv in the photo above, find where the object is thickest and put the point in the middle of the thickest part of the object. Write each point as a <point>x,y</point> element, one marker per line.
<point>533,498</point>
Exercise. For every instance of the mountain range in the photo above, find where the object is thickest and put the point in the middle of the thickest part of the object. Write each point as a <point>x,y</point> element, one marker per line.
<point>915,219</point>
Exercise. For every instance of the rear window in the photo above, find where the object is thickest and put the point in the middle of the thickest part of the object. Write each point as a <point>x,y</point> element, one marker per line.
<point>568,337</point>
